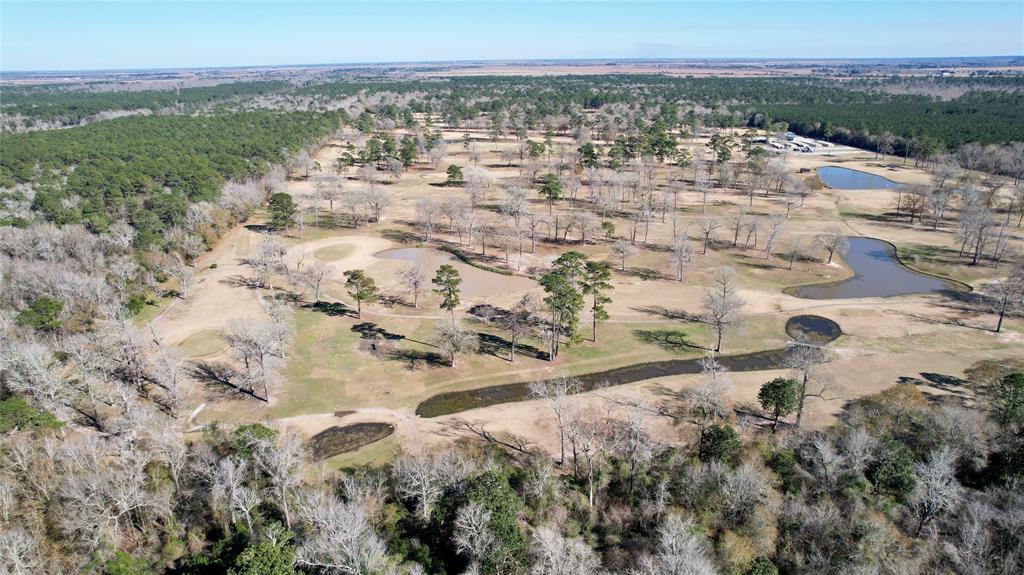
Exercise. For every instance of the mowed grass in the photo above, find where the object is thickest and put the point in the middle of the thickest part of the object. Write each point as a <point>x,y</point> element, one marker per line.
<point>152,309</point>
<point>332,365</point>
<point>334,253</point>
<point>373,454</point>
<point>203,343</point>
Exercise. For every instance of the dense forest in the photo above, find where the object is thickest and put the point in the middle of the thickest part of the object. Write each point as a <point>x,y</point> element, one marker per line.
<point>67,107</point>
<point>146,170</point>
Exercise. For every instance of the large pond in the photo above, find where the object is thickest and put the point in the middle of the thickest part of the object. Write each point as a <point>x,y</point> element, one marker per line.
<point>475,281</point>
<point>878,272</point>
<point>846,179</point>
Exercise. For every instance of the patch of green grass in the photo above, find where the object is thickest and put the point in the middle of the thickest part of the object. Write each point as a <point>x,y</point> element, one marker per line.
<point>202,343</point>
<point>153,308</point>
<point>322,353</point>
<point>334,253</point>
<point>376,453</point>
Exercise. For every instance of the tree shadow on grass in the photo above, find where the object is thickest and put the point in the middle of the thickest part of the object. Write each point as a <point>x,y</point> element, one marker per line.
<point>488,312</point>
<point>673,340</point>
<point>954,386</point>
<point>759,262</point>
<point>401,236</point>
<point>370,330</point>
<point>416,359</point>
<point>501,348</point>
<point>332,309</point>
<point>220,378</point>
<point>671,314</point>
<point>238,280</point>
<point>645,274</point>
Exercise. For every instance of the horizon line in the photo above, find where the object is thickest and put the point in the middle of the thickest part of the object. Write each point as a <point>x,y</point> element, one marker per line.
<point>4,73</point>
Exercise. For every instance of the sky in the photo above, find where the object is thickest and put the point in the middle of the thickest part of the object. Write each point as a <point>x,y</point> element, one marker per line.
<point>81,35</point>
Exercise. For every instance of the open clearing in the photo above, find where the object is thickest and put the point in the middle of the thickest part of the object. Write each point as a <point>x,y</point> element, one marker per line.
<point>335,362</point>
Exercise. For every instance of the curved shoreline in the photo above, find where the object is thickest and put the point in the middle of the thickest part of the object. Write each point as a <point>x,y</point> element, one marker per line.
<point>967,288</point>
<point>817,171</point>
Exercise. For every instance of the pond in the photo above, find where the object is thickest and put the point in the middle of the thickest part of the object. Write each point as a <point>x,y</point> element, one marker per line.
<point>824,329</point>
<point>456,401</point>
<point>342,439</point>
<point>475,281</point>
<point>813,329</point>
<point>839,178</point>
<point>878,272</point>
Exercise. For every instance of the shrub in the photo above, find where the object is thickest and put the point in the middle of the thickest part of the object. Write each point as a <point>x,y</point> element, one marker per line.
<point>16,413</point>
<point>244,436</point>
<point>719,443</point>
<point>893,472</point>
<point>763,566</point>
<point>42,314</point>
<point>135,304</point>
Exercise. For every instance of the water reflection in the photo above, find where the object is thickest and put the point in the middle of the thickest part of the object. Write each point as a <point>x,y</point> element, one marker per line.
<point>877,273</point>
<point>846,179</point>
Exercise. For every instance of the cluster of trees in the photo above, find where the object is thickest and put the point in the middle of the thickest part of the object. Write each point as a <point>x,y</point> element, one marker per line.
<point>53,105</point>
<point>146,170</point>
<point>917,126</point>
<point>901,484</point>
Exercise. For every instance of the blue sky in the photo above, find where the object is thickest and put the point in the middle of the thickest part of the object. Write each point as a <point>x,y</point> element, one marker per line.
<point>45,35</point>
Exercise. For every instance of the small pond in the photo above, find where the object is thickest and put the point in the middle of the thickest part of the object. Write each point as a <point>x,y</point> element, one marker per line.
<point>342,439</point>
<point>839,178</point>
<point>877,273</point>
<point>475,281</point>
<point>813,328</point>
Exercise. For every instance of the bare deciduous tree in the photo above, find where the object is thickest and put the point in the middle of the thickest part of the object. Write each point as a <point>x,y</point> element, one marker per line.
<point>413,279</point>
<point>257,343</point>
<point>426,213</point>
<point>682,253</point>
<point>937,490</point>
<point>682,550</point>
<point>554,554</point>
<point>709,398</point>
<point>425,476</point>
<point>555,393</point>
<point>340,537</point>
<point>832,241</point>
<point>1006,294</point>
<point>622,250</point>
<point>722,304</point>
<point>452,340</point>
<point>314,276</point>
<point>708,227</point>
<point>473,536</point>
<point>805,358</point>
